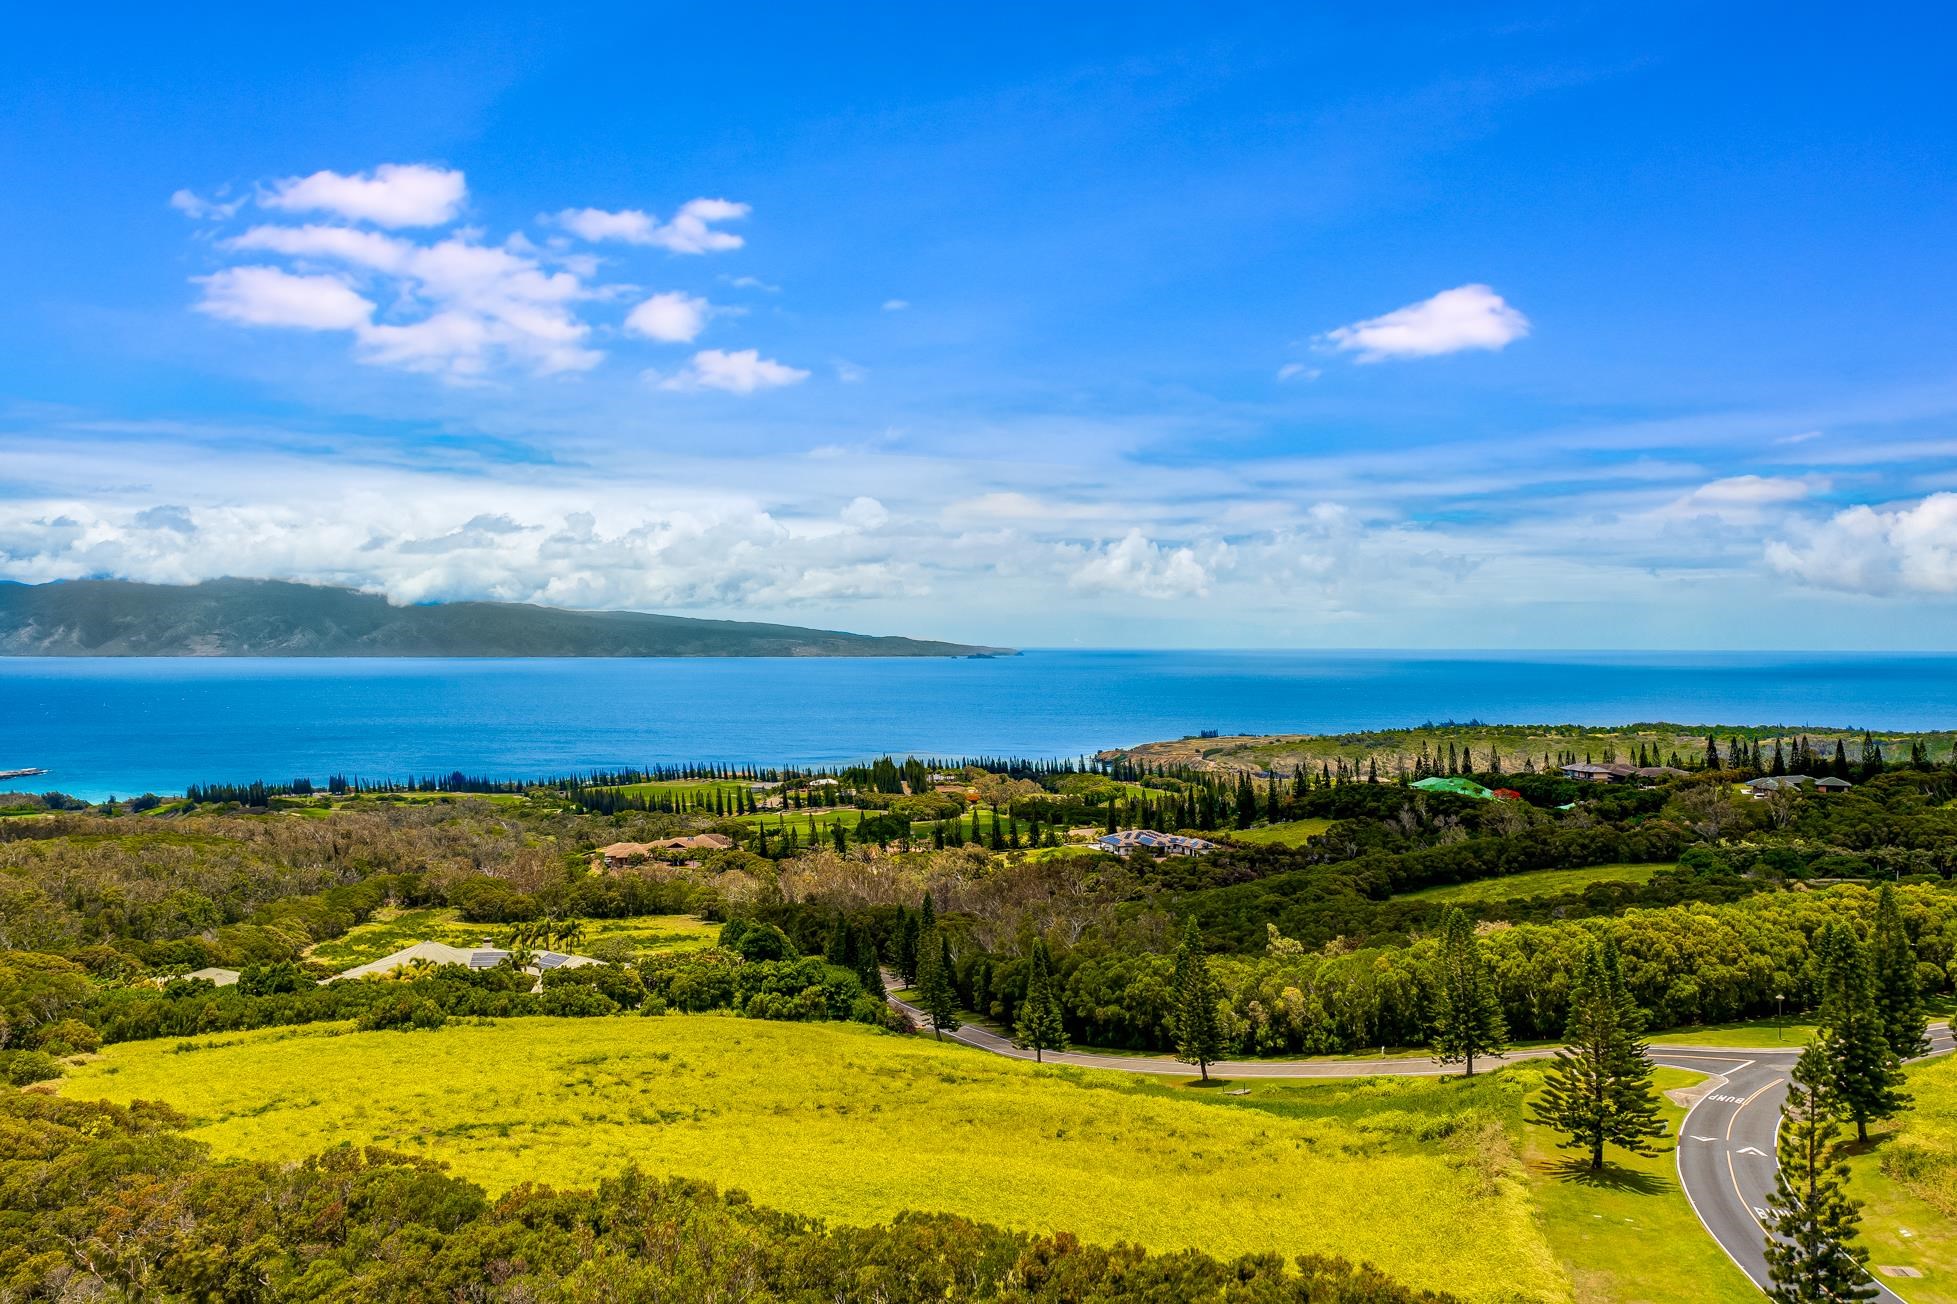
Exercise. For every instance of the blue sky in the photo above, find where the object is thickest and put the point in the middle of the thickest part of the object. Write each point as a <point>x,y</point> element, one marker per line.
<point>1539,326</point>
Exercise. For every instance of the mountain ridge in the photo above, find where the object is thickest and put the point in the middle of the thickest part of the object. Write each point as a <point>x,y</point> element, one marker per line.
<point>280,618</point>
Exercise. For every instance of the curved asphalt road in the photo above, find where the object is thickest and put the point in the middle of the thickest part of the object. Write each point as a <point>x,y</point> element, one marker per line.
<point>1725,1142</point>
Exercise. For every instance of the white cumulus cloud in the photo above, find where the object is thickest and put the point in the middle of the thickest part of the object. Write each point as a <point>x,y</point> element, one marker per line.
<point>1466,317</point>
<point>392,195</point>
<point>671,317</point>
<point>455,306</point>
<point>268,296</point>
<point>1878,551</point>
<point>1137,564</point>
<point>742,371</point>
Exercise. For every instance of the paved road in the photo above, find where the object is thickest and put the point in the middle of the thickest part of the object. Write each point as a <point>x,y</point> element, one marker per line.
<point>1725,1143</point>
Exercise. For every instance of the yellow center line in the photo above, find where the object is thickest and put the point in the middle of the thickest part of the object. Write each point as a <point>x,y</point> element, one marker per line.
<point>1733,1172</point>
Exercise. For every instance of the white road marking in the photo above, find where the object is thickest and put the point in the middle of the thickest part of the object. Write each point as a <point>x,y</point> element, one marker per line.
<point>1758,1215</point>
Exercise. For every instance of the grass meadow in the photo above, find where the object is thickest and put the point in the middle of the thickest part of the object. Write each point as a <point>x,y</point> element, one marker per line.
<point>1291,833</point>
<point>1539,882</point>
<point>1907,1181</point>
<point>391,930</point>
<point>1418,1176</point>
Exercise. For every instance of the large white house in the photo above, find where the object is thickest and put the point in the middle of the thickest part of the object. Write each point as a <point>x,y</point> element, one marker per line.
<point>1129,841</point>
<point>482,956</point>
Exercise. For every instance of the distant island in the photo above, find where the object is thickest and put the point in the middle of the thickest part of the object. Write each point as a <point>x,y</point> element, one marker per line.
<point>274,618</point>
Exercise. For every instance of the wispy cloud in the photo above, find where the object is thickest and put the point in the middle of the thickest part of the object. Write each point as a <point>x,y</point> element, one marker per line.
<point>692,230</point>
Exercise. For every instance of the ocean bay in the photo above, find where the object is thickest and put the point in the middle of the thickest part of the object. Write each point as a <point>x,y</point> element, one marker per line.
<point>103,726</point>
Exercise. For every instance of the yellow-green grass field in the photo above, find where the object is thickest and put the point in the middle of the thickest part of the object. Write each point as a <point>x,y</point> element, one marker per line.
<point>390,930</point>
<point>1629,1235</point>
<point>1535,883</point>
<point>1291,833</point>
<point>1907,1181</point>
<point>1417,1176</point>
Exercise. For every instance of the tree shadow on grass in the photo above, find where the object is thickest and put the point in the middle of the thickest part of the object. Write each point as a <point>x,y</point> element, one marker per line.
<point>1608,1178</point>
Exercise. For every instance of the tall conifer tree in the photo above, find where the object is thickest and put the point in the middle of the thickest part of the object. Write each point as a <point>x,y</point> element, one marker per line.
<point>1898,995</point>
<point>1467,1013</point>
<point>1599,1090</point>
<point>868,964</point>
<point>1867,1074</point>
<point>907,935</point>
<point>1812,1257</point>
<point>1041,1026</point>
<point>1198,1031</point>
<point>936,992</point>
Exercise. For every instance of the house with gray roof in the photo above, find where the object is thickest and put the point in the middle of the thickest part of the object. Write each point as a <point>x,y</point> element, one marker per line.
<point>1129,841</point>
<point>481,956</point>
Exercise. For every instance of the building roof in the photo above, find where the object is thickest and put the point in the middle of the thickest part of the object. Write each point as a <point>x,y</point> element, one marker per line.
<point>625,850</point>
<point>1832,782</point>
<point>1611,768</point>
<point>694,842</point>
<point>484,956</point>
<point>1149,839</point>
<point>1458,786</point>
<point>217,977</point>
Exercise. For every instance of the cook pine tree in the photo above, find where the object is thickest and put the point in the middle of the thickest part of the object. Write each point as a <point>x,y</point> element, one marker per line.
<point>935,990</point>
<point>907,938</point>
<point>1198,1030</point>
<point>1867,1081</point>
<point>1812,1257</point>
<point>1599,1088</point>
<point>1898,992</point>
<point>1041,1026</point>
<point>1467,1013</point>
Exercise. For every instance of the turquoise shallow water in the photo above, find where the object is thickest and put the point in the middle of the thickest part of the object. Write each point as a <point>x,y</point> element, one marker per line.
<point>121,727</point>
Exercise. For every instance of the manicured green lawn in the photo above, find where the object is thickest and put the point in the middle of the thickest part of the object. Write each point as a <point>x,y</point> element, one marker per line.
<point>1291,833</point>
<point>1793,1030</point>
<point>1629,1234</point>
<point>1540,882</point>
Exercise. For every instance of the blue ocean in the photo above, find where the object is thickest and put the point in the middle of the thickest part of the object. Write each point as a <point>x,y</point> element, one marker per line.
<point>121,727</point>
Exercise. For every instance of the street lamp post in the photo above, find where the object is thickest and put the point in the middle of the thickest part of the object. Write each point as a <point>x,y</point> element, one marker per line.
<point>1778,997</point>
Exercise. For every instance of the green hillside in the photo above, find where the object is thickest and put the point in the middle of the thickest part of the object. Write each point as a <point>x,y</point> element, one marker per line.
<point>236,617</point>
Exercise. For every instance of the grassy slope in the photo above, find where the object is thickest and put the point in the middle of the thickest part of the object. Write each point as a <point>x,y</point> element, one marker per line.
<point>391,930</point>
<point>1630,1236</point>
<point>1292,833</point>
<point>1907,1181</point>
<point>1540,882</point>
<point>1392,747</point>
<point>881,1123</point>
